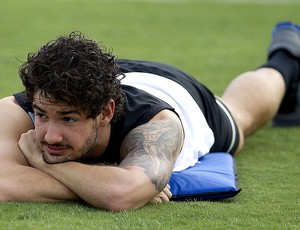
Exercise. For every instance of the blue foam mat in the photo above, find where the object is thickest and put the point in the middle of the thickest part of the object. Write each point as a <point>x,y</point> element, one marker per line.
<point>214,177</point>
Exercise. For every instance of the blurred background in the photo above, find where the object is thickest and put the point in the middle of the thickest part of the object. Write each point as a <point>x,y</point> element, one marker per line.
<point>213,40</point>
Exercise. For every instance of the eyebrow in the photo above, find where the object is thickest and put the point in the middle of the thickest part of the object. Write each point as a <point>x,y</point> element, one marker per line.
<point>61,112</point>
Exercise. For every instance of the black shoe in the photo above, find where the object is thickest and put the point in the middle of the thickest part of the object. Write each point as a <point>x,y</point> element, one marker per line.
<point>286,36</point>
<point>288,119</point>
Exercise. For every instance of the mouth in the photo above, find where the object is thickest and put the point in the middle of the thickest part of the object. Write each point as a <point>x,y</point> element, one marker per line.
<point>56,150</point>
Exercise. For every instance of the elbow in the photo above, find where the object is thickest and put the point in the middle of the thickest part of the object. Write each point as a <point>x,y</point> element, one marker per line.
<point>119,202</point>
<point>117,207</point>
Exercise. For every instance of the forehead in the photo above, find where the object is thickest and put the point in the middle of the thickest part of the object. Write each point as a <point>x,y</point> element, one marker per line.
<point>45,103</point>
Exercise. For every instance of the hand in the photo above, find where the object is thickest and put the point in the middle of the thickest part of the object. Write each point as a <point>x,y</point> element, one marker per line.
<point>29,145</point>
<point>164,196</point>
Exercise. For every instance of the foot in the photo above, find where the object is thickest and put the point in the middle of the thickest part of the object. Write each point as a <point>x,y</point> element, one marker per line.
<point>288,119</point>
<point>286,36</point>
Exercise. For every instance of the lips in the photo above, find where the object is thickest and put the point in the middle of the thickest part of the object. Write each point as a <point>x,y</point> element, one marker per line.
<point>56,150</point>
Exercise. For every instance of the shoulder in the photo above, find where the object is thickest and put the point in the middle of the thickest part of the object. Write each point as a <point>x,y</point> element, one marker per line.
<point>13,122</point>
<point>8,103</point>
<point>166,114</point>
<point>12,117</point>
<point>164,128</point>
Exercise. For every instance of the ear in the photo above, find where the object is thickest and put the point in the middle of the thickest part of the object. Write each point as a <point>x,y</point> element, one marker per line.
<point>107,113</point>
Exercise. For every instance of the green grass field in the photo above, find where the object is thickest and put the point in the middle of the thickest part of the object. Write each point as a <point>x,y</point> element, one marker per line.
<point>213,40</point>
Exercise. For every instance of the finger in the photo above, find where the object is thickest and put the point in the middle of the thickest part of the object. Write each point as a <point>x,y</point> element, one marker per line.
<point>168,193</point>
<point>164,197</point>
<point>156,200</point>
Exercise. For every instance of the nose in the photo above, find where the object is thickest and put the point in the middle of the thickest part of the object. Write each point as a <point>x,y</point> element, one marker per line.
<point>53,134</point>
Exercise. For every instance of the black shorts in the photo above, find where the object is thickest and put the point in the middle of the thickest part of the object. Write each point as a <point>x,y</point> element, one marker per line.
<point>217,115</point>
<point>225,130</point>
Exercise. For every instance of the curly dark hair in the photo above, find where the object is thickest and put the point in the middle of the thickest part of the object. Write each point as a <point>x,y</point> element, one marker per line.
<point>75,71</point>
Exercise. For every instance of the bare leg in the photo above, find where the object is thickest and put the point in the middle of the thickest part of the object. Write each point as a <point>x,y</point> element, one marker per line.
<point>254,98</point>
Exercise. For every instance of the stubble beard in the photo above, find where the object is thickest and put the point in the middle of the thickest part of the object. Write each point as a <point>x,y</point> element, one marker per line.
<point>83,151</point>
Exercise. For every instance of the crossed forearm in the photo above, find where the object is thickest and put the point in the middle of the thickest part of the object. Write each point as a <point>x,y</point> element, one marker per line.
<point>24,183</point>
<point>107,187</point>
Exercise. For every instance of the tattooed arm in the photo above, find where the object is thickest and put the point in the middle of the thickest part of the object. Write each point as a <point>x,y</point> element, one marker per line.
<point>148,152</point>
<point>154,147</point>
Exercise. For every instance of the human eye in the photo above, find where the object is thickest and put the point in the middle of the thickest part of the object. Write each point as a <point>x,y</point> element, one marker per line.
<point>69,120</point>
<point>40,116</point>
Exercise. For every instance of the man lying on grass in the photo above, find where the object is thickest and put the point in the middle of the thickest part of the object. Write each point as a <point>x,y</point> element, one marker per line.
<point>110,132</point>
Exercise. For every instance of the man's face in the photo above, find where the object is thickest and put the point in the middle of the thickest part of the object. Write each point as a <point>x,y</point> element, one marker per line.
<point>64,133</point>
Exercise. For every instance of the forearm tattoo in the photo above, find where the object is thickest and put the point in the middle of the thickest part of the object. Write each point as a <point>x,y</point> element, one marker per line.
<point>154,147</point>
